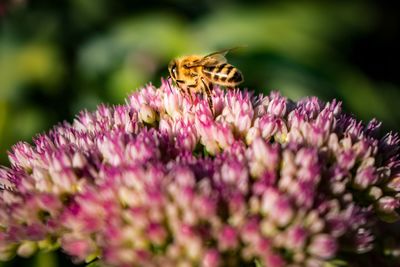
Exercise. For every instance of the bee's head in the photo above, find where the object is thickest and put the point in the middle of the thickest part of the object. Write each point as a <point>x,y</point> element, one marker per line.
<point>172,68</point>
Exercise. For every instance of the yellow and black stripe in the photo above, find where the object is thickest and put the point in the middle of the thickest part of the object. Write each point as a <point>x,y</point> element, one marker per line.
<point>224,74</point>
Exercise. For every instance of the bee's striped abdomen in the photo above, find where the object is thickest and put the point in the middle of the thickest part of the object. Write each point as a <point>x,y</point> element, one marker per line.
<point>223,74</point>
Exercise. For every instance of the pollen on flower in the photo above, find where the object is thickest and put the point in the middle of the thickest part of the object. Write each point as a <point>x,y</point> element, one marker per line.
<point>162,181</point>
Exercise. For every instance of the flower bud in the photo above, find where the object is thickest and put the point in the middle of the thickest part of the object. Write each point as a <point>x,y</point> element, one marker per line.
<point>147,114</point>
<point>277,106</point>
<point>27,249</point>
<point>323,246</point>
<point>211,258</point>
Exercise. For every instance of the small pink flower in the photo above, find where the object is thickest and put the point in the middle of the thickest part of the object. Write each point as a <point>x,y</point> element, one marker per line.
<point>78,247</point>
<point>211,258</point>
<point>277,105</point>
<point>277,207</point>
<point>323,246</point>
<point>227,238</point>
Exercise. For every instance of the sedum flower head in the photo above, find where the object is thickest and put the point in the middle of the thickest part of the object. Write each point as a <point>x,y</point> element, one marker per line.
<point>161,181</point>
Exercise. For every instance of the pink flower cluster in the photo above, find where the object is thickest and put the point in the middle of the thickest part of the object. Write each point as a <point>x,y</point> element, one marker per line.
<point>161,181</point>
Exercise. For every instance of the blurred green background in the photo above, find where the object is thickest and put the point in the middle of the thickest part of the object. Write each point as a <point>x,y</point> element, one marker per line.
<point>59,57</point>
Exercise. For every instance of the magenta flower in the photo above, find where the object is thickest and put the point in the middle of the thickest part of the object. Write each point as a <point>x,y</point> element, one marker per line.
<point>161,181</point>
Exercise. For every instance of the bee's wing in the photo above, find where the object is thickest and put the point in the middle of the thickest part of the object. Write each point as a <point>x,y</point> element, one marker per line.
<point>212,59</point>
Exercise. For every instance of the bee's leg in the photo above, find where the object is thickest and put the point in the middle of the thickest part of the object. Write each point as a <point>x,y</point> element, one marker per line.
<point>209,100</point>
<point>181,90</point>
<point>190,92</point>
<point>184,91</point>
<point>169,79</point>
<point>207,90</point>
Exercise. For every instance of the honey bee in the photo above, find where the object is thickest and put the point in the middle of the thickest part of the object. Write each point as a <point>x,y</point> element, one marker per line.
<point>198,74</point>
